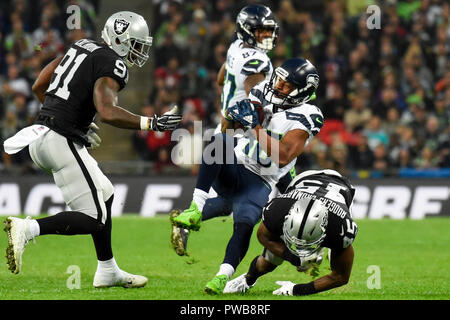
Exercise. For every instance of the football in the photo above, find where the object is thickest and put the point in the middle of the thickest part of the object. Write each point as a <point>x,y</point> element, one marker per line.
<point>260,111</point>
<point>236,125</point>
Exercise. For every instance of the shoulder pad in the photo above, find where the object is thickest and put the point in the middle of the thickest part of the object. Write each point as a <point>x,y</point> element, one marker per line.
<point>255,62</point>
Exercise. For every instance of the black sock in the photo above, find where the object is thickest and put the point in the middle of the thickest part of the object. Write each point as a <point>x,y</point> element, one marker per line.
<point>253,273</point>
<point>238,245</point>
<point>102,238</point>
<point>69,223</point>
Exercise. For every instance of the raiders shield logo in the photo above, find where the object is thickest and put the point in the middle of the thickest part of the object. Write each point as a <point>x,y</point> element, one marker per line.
<point>120,26</point>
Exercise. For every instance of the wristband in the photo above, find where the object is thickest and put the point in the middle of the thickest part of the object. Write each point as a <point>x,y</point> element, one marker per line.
<point>304,289</point>
<point>145,121</point>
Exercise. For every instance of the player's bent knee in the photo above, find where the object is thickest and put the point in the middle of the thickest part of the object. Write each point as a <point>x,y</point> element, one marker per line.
<point>247,220</point>
<point>246,225</point>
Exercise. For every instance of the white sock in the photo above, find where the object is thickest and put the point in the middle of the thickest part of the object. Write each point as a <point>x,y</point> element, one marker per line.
<point>199,198</point>
<point>108,266</point>
<point>226,269</point>
<point>35,230</point>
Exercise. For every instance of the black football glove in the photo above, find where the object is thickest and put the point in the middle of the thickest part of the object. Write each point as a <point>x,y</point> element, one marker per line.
<point>166,121</point>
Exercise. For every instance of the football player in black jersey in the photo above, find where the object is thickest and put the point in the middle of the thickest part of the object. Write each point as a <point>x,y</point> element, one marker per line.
<point>73,89</point>
<point>311,215</point>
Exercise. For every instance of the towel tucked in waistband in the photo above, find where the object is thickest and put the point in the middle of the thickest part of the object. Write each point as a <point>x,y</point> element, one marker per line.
<point>23,138</point>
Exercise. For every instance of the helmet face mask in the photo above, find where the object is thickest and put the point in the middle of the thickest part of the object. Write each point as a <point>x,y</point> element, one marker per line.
<point>302,250</point>
<point>253,18</point>
<point>266,42</point>
<point>304,228</point>
<point>139,52</point>
<point>301,75</point>
<point>276,96</point>
<point>127,33</point>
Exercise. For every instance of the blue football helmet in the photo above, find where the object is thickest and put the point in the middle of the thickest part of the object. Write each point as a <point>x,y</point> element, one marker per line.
<point>299,72</point>
<point>252,18</point>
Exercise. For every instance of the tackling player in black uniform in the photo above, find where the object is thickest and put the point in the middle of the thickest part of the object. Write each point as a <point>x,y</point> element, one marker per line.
<point>311,215</point>
<point>73,89</point>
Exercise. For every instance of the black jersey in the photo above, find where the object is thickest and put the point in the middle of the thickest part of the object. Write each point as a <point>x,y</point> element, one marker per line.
<point>69,107</point>
<point>334,191</point>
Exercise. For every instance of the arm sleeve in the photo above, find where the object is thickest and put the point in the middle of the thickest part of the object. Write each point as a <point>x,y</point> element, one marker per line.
<point>106,64</point>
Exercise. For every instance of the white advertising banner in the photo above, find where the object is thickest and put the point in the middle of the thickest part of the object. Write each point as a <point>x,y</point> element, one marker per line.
<point>147,196</point>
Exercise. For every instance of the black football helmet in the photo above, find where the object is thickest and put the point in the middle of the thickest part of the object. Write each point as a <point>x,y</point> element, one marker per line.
<point>299,72</point>
<point>252,18</point>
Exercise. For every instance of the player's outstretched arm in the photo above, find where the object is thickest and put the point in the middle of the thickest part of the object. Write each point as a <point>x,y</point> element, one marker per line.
<point>341,268</point>
<point>106,103</point>
<point>43,80</point>
<point>341,263</point>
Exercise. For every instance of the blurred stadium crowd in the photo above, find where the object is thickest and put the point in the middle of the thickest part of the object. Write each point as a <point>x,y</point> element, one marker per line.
<point>385,93</point>
<point>32,33</point>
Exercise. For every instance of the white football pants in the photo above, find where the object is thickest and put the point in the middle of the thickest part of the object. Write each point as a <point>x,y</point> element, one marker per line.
<point>83,185</point>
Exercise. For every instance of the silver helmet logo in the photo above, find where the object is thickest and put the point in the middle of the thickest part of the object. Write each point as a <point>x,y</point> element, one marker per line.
<point>120,26</point>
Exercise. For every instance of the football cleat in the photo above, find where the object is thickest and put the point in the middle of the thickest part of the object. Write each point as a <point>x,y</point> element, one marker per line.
<point>189,218</point>
<point>18,232</point>
<point>216,285</point>
<point>179,236</point>
<point>237,285</point>
<point>123,279</point>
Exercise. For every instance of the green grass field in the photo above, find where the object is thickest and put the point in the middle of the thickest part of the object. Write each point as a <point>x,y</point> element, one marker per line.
<point>413,258</point>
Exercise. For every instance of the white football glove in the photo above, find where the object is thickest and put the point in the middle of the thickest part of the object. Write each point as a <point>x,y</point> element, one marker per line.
<point>238,285</point>
<point>92,136</point>
<point>287,288</point>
